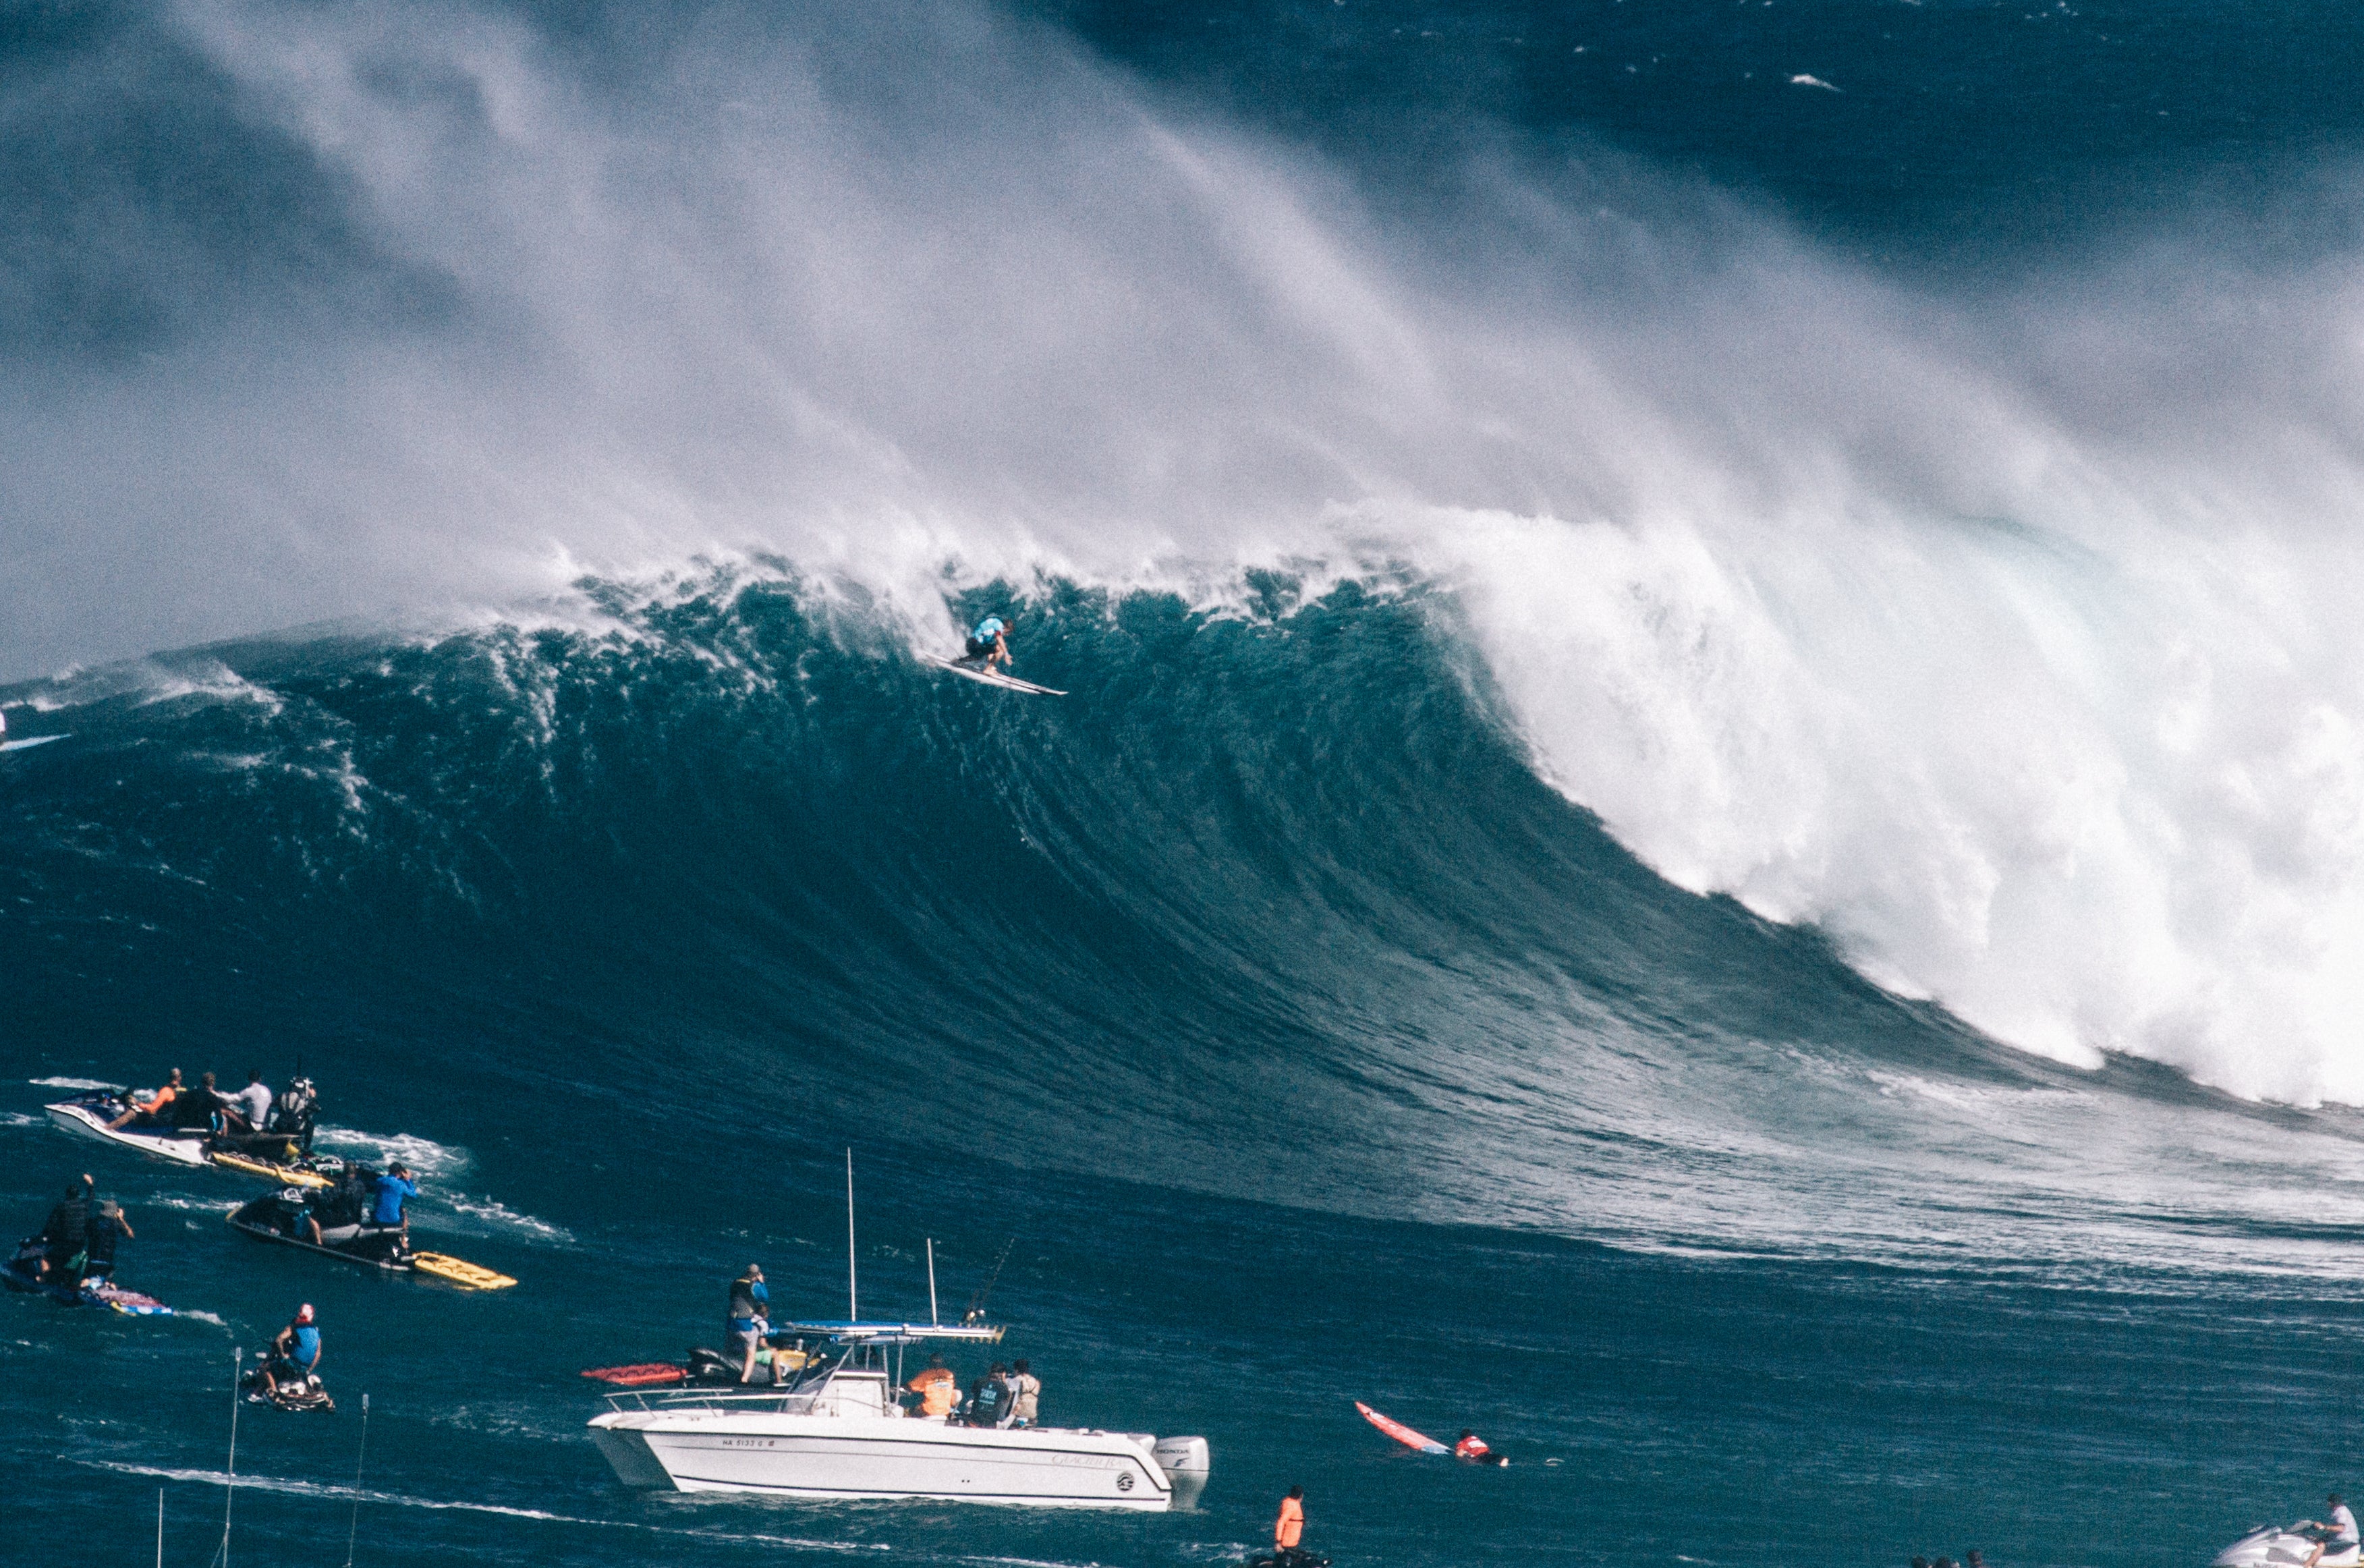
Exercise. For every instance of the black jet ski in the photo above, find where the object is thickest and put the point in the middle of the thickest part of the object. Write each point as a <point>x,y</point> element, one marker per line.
<point>286,1216</point>
<point>290,1390</point>
<point>22,1276</point>
<point>1289,1557</point>
<point>281,1153</point>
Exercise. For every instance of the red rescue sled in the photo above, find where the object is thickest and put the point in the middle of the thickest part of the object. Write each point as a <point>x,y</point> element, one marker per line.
<point>639,1376</point>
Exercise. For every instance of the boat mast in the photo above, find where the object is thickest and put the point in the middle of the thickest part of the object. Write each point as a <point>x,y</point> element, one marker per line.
<point>932,1316</point>
<point>229,1490</point>
<point>853,1299</point>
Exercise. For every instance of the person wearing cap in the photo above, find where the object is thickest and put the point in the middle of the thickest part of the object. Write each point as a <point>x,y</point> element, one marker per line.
<point>2338,1532</point>
<point>392,1188</point>
<point>294,1352</point>
<point>107,1226</point>
<point>749,1319</point>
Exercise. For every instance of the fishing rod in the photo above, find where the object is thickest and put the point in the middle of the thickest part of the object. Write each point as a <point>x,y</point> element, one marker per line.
<point>975,1311</point>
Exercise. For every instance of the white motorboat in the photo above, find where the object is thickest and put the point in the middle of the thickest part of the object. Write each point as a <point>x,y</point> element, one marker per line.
<point>2271,1546</point>
<point>89,1115</point>
<point>837,1431</point>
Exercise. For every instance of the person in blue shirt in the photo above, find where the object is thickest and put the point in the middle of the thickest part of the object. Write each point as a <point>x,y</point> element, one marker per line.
<point>749,1321</point>
<point>392,1188</point>
<point>988,643</point>
<point>295,1353</point>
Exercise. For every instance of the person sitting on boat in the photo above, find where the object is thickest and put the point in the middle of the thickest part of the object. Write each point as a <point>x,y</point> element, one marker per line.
<point>749,1320</point>
<point>152,1111</point>
<point>67,1234</point>
<point>106,1227</point>
<point>387,1212</point>
<point>937,1389</point>
<point>988,643</point>
<point>1289,1528</point>
<point>249,1110</point>
<point>1025,1402</point>
<point>294,1352</point>
<point>196,1107</point>
<point>989,1399</point>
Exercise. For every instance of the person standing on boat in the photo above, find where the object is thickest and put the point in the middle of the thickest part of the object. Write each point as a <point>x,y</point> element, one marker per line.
<point>294,1352</point>
<point>387,1212</point>
<point>1025,1403</point>
<point>67,1231</point>
<point>152,1111</point>
<point>106,1227</point>
<point>1289,1528</point>
<point>937,1389</point>
<point>750,1315</point>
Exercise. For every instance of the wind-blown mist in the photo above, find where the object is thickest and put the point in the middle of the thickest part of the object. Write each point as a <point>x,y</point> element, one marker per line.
<point>2008,637</point>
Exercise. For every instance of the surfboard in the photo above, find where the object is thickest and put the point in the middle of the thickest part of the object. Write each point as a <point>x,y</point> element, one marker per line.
<point>28,745</point>
<point>1401,1432</point>
<point>285,1175</point>
<point>990,677</point>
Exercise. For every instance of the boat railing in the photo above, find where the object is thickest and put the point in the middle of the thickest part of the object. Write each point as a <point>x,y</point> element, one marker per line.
<point>780,1401</point>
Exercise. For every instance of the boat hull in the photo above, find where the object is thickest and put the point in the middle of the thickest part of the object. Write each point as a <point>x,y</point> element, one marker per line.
<point>879,1457</point>
<point>182,1151</point>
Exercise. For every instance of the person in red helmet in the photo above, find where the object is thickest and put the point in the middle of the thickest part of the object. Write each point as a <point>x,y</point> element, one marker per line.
<point>295,1353</point>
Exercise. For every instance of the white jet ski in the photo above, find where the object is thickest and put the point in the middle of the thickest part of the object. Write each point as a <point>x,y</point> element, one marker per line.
<point>2271,1546</point>
<point>89,1114</point>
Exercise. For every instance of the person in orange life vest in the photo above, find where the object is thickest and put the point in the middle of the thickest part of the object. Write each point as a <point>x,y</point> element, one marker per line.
<point>150,1112</point>
<point>937,1389</point>
<point>1473,1448</point>
<point>1289,1528</point>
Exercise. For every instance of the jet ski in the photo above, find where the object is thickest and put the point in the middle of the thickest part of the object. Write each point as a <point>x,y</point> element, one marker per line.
<point>22,1276</point>
<point>286,1217</point>
<point>1289,1557</point>
<point>91,1115</point>
<point>289,1391</point>
<point>2274,1545</point>
<point>282,1153</point>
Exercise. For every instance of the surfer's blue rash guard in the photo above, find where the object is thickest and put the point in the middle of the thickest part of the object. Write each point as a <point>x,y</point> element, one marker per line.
<point>307,1346</point>
<point>391,1191</point>
<point>989,628</point>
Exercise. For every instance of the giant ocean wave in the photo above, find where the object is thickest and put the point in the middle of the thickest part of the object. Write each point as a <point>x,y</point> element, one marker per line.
<point>1276,904</point>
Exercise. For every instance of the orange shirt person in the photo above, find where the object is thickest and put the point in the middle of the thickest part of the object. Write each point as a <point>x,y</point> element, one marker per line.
<point>1288,1530</point>
<point>937,1389</point>
<point>150,1111</point>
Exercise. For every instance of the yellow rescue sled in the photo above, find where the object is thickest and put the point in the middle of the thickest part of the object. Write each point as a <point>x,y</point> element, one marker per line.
<point>460,1272</point>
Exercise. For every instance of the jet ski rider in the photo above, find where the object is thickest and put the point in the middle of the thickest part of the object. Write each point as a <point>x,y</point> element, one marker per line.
<point>1289,1528</point>
<point>2339,1528</point>
<point>988,643</point>
<point>749,1319</point>
<point>294,1352</point>
<point>67,1231</point>
<point>392,1188</point>
<point>150,1113</point>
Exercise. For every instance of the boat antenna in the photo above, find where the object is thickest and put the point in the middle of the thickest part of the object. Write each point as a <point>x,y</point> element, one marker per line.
<point>933,1317</point>
<point>853,1299</point>
<point>229,1489</point>
<point>353,1531</point>
<point>976,1312</point>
